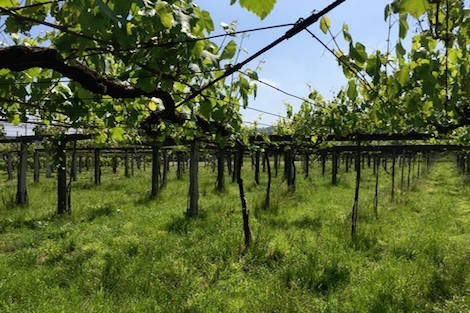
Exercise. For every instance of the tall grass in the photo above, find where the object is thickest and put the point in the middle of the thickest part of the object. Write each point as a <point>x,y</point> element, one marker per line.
<point>121,252</point>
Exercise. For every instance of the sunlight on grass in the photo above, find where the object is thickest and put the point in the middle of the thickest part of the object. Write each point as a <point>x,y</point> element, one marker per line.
<point>119,251</point>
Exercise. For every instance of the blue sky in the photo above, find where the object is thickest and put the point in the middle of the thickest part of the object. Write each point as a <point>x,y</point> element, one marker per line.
<point>301,60</point>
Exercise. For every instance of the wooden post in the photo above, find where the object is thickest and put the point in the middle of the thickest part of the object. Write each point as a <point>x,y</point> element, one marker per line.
<point>276,163</point>
<point>307,165</point>
<point>62,203</point>
<point>73,170</point>
<point>409,172</point>
<point>393,176</point>
<point>245,216</point>
<point>268,187</point>
<point>229,163</point>
<point>132,162</point>
<point>155,170</point>
<point>334,168</point>
<point>126,163</point>
<point>374,164</point>
<point>402,179</point>
<point>22,193</point>
<point>193,203</point>
<point>294,171</point>
<point>220,170</point>
<point>234,171</point>
<point>428,162</point>
<point>36,166</point>
<point>80,164</point>
<point>114,164</point>
<point>47,165</point>
<point>376,172</point>
<point>419,165</point>
<point>138,161</point>
<point>264,162</point>
<point>165,168</point>
<point>179,165</point>
<point>356,194</point>
<point>290,169</point>
<point>257,155</point>
<point>97,167</point>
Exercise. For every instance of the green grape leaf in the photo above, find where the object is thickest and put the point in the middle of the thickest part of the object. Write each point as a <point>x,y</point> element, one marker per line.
<point>404,75</point>
<point>325,24</point>
<point>414,7</point>
<point>229,51</point>
<point>387,11</point>
<point>259,7</point>
<point>205,109</point>
<point>403,26</point>
<point>352,90</point>
<point>346,34</point>
<point>117,133</point>
<point>9,3</point>
<point>165,12</point>
<point>206,19</point>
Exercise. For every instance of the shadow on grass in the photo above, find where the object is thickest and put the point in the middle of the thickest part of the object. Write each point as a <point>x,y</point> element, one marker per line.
<point>99,210</point>
<point>181,225</point>
<point>33,224</point>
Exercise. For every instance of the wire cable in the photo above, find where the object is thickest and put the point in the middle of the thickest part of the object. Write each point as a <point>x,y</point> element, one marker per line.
<point>300,26</point>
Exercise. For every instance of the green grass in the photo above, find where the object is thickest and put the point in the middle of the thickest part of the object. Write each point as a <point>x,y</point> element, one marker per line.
<point>119,251</point>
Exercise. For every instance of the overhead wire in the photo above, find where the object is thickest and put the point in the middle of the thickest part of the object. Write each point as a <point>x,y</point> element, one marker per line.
<point>356,72</point>
<point>276,88</point>
<point>147,45</point>
<point>297,28</point>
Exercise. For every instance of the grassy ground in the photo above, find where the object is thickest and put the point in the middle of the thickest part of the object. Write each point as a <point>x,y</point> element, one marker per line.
<point>118,251</point>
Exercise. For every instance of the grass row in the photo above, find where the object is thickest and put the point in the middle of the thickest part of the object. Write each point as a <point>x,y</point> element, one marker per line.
<point>119,251</point>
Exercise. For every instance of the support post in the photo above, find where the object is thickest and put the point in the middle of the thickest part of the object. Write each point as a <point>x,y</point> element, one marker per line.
<point>47,165</point>
<point>257,156</point>
<point>268,187</point>
<point>179,166</point>
<point>245,216</point>
<point>334,168</point>
<point>62,203</point>
<point>220,170</point>
<point>126,163</point>
<point>97,167</point>
<point>115,164</point>
<point>193,203</point>
<point>36,166</point>
<point>356,195</point>
<point>376,196</point>
<point>165,168</point>
<point>307,165</point>
<point>22,193</point>
<point>155,171</point>
<point>73,169</point>
<point>393,176</point>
